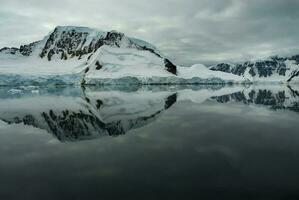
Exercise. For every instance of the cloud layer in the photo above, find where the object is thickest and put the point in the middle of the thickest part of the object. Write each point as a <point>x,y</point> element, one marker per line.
<point>187,31</point>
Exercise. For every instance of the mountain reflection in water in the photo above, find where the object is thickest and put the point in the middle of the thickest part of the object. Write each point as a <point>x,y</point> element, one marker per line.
<point>73,114</point>
<point>173,142</point>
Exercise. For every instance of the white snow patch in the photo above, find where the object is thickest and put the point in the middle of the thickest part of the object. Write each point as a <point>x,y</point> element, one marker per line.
<point>15,91</point>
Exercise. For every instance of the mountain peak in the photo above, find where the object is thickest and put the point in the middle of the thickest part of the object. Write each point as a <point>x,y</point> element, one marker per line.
<point>75,28</point>
<point>87,54</point>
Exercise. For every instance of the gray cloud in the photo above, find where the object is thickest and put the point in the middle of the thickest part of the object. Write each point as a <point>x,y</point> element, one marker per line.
<point>187,31</point>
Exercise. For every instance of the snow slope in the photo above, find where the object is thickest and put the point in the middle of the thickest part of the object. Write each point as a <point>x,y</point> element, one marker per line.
<point>133,66</point>
<point>274,69</point>
<point>80,55</point>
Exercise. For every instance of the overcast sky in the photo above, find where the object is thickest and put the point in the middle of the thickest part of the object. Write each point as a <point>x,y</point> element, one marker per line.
<point>187,31</point>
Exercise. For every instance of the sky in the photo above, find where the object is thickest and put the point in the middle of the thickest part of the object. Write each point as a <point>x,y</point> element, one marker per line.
<point>186,31</point>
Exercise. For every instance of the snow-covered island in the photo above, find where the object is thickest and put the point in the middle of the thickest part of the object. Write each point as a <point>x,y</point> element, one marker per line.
<point>83,56</point>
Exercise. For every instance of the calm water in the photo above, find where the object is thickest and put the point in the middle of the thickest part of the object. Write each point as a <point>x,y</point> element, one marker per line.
<point>199,142</point>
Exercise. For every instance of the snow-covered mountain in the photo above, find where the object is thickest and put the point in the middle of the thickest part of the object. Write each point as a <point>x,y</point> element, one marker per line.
<point>274,69</point>
<point>89,113</point>
<point>81,55</point>
<point>275,98</point>
<point>83,115</point>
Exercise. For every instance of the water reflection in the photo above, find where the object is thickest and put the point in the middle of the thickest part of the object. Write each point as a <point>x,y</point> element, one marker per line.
<point>73,114</point>
<point>197,142</point>
<point>84,115</point>
<point>284,98</point>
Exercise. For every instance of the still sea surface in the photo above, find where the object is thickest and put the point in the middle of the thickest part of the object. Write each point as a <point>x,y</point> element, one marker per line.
<point>149,142</point>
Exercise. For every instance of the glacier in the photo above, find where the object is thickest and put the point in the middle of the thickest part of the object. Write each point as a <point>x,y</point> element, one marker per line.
<point>84,56</point>
<point>72,55</point>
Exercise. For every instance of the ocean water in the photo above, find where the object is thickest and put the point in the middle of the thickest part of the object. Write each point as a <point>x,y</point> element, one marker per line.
<point>150,142</point>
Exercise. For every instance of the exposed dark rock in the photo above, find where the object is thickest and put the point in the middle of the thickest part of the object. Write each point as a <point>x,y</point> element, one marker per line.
<point>50,54</point>
<point>265,68</point>
<point>67,42</point>
<point>99,103</point>
<point>98,44</point>
<point>224,67</point>
<point>4,49</point>
<point>113,38</point>
<point>63,56</point>
<point>295,58</point>
<point>89,56</point>
<point>8,50</point>
<point>75,42</point>
<point>26,50</point>
<point>294,74</point>
<point>72,43</point>
<point>170,67</point>
<point>98,65</point>
<point>83,82</point>
<point>150,50</point>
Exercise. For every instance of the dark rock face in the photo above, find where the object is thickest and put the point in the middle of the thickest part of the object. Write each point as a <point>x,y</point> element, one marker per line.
<point>294,74</point>
<point>26,50</point>
<point>8,50</point>
<point>4,49</point>
<point>224,67</point>
<point>170,67</point>
<point>264,68</point>
<point>228,68</point>
<point>86,70</point>
<point>67,44</point>
<point>149,49</point>
<point>296,58</point>
<point>72,43</point>
<point>268,67</point>
<point>97,45</point>
<point>114,38</point>
<point>27,119</point>
<point>98,65</point>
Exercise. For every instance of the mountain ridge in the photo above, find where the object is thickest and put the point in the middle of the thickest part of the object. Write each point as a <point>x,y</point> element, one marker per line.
<point>86,56</point>
<point>287,68</point>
